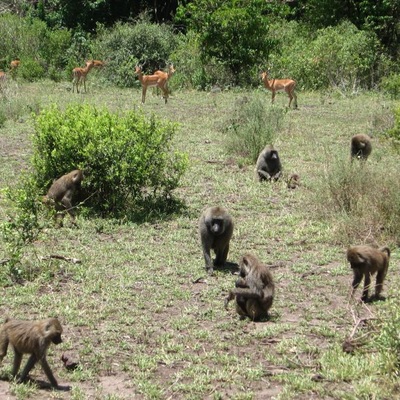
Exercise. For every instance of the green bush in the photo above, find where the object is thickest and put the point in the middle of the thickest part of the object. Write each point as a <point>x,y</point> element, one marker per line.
<point>341,56</point>
<point>38,47</point>
<point>395,131</point>
<point>391,86</point>
<point>252,127</point>
<point>125,45</point>
<point>22,226</point>
<point>128,159</point>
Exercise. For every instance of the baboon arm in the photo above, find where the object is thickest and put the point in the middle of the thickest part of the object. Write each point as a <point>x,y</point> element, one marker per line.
<point>29,365</point>
<point>265,174</point>
<point>228,298</point>
<point>247,293</point>
<point>49,374</point>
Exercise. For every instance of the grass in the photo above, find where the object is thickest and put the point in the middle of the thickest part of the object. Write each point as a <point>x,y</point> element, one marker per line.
<point>133,316</point>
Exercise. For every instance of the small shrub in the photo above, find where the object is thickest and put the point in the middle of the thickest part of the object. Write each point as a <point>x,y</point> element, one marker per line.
<point>252,127</point>
<point>22,226</point>
<point>31,70</point>
<point>128,159</point>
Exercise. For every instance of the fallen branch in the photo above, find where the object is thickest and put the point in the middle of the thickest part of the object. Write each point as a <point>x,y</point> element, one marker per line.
<point>69,259</point>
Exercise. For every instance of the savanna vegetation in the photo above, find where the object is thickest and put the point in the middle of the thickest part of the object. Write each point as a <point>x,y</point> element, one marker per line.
<point>140,315</point>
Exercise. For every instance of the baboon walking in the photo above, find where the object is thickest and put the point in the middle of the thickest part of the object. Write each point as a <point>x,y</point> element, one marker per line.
<point>216,229</point>
<point>365,261</point>
<point>30,337</point>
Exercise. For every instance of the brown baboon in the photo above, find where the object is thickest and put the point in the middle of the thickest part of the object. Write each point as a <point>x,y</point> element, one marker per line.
<point>30,337</point>
<point>293,181</point>
<point>254,290</point>
<point>61,192</point>
<point>268,165</point>
<point>361,146</point>
<point>366,261</point>
<point>216,228</point>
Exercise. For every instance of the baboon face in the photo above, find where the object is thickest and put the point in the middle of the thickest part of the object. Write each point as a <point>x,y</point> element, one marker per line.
<point>217,226</point>
<point>54,330</point>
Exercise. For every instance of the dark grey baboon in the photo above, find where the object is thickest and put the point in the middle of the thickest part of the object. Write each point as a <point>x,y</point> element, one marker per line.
<point>365,261</point>
<point>268,165</point>
<point>361,146</point>
<point>216,229</point>
<point>254,290</point>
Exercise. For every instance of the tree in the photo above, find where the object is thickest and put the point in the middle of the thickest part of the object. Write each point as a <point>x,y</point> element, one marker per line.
<point>232,32</point>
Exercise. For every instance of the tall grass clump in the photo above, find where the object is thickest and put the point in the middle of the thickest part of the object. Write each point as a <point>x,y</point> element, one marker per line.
<point>252,126</point>
<point>362,198</point>
<point>388,338</point>
<point>128,160</point>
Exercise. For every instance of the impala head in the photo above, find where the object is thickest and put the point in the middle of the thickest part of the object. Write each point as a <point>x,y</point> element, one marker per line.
<point>264,75</point>
<point>171,69</point>
<point>138,69</point>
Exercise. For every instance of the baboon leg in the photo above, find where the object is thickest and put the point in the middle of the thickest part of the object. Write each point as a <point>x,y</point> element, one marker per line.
<point>49,374</point>
<point>4,344</point>
<point>208,259</point>
<point>221,256</point>
<point>356,281</point>
<point>367,284</point>
<point>241,306</point>
<point>17,363</point>
<point>29,365</point>
<point>254,309</point>
<point>380,277</point>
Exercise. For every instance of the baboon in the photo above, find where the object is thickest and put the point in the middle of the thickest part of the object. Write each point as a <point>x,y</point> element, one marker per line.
<point>268,165</point>
<point>293,181</point>
<point>61,192</point>
<point>365,261</point>
<point>254,290</point>
<point>361,146</point>
<point>216,229</point>
<point>30,337</point>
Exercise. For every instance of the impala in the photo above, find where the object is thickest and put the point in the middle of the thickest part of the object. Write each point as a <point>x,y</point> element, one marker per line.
<point>158,79</point>
<point>15,63</point>
<point>80,75</point>
<point>278,85</point>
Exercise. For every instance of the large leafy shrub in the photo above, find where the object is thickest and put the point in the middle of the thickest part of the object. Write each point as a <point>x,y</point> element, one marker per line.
<point>125,45</point>
<point>39,48</point>
<point>341,56</point>
<point>128,159</point>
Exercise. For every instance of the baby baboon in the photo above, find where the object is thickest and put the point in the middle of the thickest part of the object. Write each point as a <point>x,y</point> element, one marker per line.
<point>293,181</point>
<point>361,146</point>
<point>30,337</point>
<point>61,192</point>
<point>254,290</point>
<point>366,261</point>
<point>216,228</point>
<point>268,165</point>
